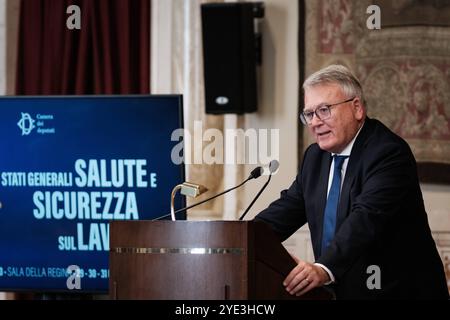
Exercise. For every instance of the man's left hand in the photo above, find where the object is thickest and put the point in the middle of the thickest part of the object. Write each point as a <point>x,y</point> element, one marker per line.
<point>304,277</point>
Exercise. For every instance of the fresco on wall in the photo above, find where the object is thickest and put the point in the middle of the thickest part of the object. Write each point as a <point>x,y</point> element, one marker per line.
<point>404,68</point>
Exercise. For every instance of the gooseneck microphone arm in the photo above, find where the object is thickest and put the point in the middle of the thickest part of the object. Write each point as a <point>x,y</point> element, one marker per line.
<point>256,198</point>
<point>213,197</point>
<point>273,166</point>
<point>256,173</point>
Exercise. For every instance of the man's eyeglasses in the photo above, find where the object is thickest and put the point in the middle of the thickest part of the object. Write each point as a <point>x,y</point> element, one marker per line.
<point>322,112</point>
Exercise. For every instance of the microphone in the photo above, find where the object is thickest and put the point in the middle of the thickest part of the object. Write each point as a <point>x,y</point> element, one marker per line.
<point>256,173</point>
<point>273,166</point>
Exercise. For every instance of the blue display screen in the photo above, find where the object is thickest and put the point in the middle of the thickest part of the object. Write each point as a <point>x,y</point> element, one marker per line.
<point>68,166</point>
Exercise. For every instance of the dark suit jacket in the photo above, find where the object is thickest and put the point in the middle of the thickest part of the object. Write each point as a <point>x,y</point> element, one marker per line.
<point>381,219</point>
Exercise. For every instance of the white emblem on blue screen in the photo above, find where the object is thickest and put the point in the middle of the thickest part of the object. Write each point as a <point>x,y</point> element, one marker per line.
<point>26,123</point>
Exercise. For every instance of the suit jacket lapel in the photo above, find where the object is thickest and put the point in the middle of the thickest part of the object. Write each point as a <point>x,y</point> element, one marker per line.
<point>321,198</point>
<point>352,168</point>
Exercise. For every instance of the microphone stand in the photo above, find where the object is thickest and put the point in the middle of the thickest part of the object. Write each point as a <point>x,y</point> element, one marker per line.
<point>203,201</point>
<point>256,198</point>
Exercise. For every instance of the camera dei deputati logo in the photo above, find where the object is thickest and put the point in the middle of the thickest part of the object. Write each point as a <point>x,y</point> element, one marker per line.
<point>42,122</point>
<point>26,123</point>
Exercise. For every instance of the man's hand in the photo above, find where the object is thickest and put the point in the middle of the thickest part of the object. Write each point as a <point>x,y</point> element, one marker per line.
<point>304,277</point>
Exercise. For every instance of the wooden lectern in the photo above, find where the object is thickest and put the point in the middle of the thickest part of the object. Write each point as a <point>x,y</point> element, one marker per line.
<point>199,260</point>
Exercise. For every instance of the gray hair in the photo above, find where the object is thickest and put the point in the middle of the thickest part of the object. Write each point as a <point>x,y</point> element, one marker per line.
<point>336,74</point>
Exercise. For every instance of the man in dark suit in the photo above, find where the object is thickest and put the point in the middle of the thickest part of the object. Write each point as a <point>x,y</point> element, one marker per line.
<point>359,192</point>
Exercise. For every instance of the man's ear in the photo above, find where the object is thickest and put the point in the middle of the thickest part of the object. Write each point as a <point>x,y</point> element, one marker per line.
<point>358,108</point>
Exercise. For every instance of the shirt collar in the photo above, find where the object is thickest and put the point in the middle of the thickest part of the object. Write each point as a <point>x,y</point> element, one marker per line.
<point>348,149</point>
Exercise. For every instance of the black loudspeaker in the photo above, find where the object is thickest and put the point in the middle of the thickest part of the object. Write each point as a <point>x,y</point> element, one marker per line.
<point>230,56</point>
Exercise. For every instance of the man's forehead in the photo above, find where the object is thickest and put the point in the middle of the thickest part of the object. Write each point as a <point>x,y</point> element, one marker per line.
<point>325,88</point>
<point>321,94</point>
